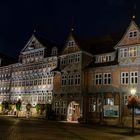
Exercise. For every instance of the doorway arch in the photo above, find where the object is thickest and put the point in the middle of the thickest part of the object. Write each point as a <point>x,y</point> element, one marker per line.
<point>73,112</point>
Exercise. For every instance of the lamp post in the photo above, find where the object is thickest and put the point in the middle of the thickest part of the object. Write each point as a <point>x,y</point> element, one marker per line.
<point>133,92</point>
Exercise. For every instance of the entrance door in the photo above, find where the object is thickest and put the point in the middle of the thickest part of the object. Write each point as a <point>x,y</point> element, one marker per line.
<point>73,111</point>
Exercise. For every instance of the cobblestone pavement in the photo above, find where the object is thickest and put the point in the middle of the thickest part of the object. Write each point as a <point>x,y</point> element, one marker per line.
<point>33,129</point>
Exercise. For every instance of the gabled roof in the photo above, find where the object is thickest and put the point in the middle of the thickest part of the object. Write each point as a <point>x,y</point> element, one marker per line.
<point>127,41</point>
<point>99,45</point>
<point>45,43</point>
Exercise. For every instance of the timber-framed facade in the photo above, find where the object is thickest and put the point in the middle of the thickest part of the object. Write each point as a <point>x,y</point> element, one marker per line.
<point>89,79</point>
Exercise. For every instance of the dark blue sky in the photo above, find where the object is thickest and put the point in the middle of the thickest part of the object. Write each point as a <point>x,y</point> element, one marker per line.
<point>53,19</point>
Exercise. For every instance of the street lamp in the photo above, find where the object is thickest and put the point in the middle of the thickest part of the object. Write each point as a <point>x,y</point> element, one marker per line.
<point>133,92</point>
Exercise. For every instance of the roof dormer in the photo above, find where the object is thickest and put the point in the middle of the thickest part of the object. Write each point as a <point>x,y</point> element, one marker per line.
<point>131,36</point>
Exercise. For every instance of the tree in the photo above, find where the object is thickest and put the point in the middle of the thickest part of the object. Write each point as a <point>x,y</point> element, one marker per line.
<point>6,106</point>
<point>37,108</point>
<point>18,106</point>
<point>28,107</point>
<point>133,101</point>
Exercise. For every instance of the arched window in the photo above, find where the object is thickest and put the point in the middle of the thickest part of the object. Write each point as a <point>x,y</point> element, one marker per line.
<point>54,51</point>
<point>64,80</point>
<point>70,79</point>
<point>77,79</point>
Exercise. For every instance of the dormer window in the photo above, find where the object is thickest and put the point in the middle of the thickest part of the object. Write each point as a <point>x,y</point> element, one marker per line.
<point>54,51</point>
<point>105,58</point>
<point>133,34</point>
<point>71,43</point>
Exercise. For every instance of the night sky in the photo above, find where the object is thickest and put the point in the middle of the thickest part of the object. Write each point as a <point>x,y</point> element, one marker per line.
<point>54,18</point>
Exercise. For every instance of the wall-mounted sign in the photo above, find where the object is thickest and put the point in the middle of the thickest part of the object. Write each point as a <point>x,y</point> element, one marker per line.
<point>111,111</point>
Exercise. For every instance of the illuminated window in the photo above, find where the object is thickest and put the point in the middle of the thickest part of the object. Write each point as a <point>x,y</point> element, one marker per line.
<point>132,51</point>
<point>56,107</point>
<point>92,104</point>
<point>105,58</point>
<point>109,101</point>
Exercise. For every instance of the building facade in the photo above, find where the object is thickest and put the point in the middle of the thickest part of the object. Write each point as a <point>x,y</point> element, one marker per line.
<point>89,79</point>
<point>31,78</point>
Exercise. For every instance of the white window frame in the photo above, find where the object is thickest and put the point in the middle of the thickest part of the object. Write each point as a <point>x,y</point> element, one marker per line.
<point>124,78</point>
<point>54,51</point>
<point>132,51</point>
<point>134,77</point>
<point>98,79</point>
<point>133,34</point>
<point>123,52</point>
<point>106,78</point>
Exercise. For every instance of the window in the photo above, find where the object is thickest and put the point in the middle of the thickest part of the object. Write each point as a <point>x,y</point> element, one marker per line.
<point>49,97</point>
<point>133,34</point>
<point>132,51</point>
<point>133,77</point>
<point>109,101</point>
<point>124,52</point>
<point>49,81</point>
<point>63,106</point>
<point>64,80</point>
<point>56,107</point>
<point>71,43</point>
<point>77,57</point>
<point>71,59</point>
<point>44,81</point>
<point>130,34</point>
<point>92,104</point>
<point>70,80</point>
<point>126,99</point>
<point>98,78</point>
<point>54,51</point>
<point>106,78</point>
<point>77,79</point>
<point>105,58</point>
<point>124,78</point>
<point>63,60</point>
